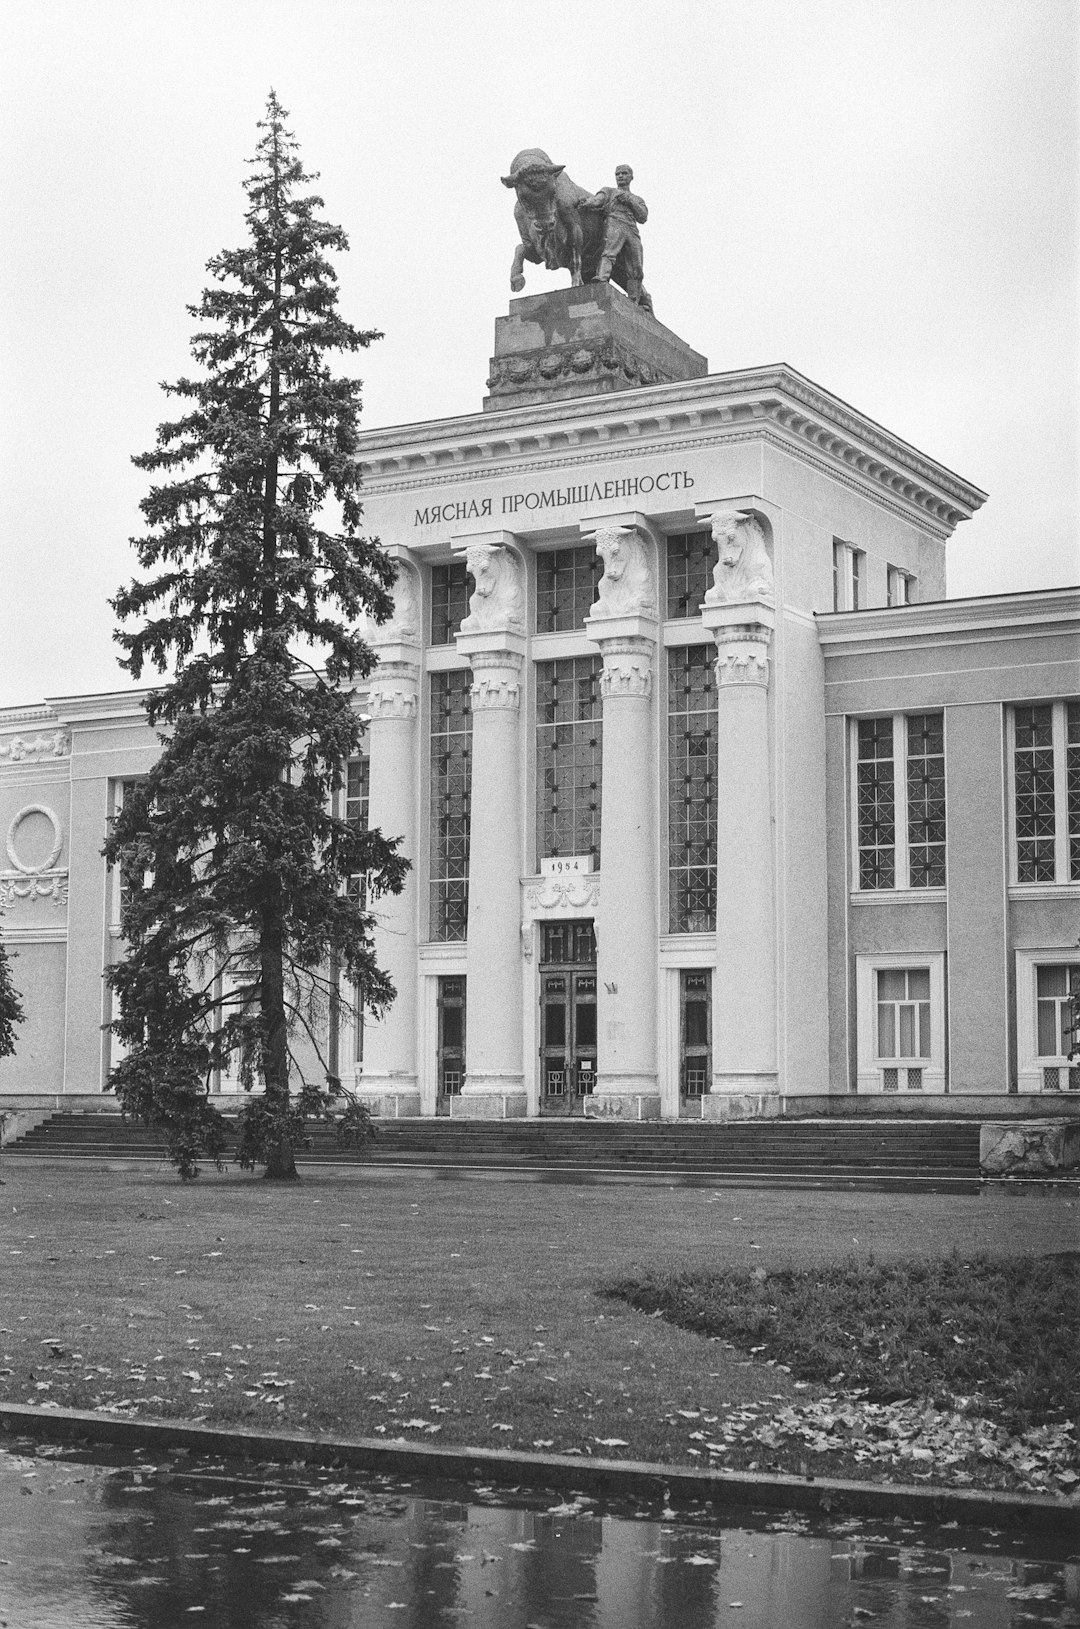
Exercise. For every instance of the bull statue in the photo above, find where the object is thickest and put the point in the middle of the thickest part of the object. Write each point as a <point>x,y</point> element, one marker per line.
<point>548,216</point>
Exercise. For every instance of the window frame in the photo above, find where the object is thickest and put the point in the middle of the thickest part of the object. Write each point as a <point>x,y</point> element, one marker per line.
<point>849,576</point>
<point>1030,1062</point>
<point>1059,707</point>
<point>870,1069</point>
<point>902,886</point>
<point>898,579</point>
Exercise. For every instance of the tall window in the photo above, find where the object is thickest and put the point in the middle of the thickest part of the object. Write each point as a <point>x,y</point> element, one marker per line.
<point>120,883</point>
<point>848,573</point>
<point>357,793</point>
<point>903,1012</point>
<point>695,1045</point>
<point>1057,1011</point>
<point>451,755</point>
<point>569,736</point>
<point>691,790</point>
<point>691,557</point>
<point>449,601</point>
<point>1046,791</point>
<point>900,586</point>
<point>565,588</point>
<point>900,801</point>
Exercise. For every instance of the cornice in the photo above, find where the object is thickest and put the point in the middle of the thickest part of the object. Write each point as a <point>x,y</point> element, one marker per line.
<point>1044,610</point>
<point>775,401</point>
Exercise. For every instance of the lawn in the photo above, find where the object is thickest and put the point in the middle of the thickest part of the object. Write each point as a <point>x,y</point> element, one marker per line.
<point>386,1304</point>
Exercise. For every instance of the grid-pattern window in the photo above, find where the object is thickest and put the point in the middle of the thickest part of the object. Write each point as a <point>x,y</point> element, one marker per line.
<point>566,582</point>
<point>451,766</point>
<point>449,601</point>
<point>1072,786</point>
<point>691,557</point>
<point>903,1012</point>
<point>1033,767</point>
<point>569,737</point>
<point>900,801</point>
<point>876,799</point>
<point>692,769</point>
<point>926,800</point>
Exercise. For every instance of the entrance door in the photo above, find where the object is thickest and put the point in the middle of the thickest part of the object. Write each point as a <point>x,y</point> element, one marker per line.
<point>450,1060</point>
<point>567,1016</point>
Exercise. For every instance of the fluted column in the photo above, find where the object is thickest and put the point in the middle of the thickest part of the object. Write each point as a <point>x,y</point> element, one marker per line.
<point>389,1082</point>
<point>744,1082</point>
<point>493,638</point>
<point>624,626</point>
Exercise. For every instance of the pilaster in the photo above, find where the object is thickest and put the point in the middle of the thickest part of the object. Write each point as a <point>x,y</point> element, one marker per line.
<point>493,638</point>
<point>744,1083</point>
<point>623,625</point>
<point>389,1082</point>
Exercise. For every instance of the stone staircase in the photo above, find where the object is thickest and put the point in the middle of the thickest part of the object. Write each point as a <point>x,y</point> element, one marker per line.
<point>937,1154</point>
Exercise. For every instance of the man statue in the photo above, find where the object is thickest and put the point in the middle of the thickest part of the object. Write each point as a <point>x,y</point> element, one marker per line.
<point>623,210</point>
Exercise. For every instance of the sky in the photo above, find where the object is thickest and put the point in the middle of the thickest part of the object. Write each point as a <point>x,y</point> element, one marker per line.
<point>881,193</point>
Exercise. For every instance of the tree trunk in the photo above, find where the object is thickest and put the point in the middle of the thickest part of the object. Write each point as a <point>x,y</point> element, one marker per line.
<point>280,1156</point>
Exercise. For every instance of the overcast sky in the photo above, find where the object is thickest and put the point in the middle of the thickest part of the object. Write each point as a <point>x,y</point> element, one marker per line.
<point>882,193</point>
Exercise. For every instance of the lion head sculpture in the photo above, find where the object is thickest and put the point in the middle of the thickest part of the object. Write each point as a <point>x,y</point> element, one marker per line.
<point>744,571</point>
<point>498,601</point>
<point>626,588</point>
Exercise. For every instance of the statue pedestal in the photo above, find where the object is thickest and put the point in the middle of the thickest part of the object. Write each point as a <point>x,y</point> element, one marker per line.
<point>586,341</point>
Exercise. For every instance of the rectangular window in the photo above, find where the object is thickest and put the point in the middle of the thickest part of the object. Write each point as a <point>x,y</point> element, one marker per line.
<point>1046,791</point>
<point>900,801</point>
<point>692,770</point>
<point>569,741</point>
<point>848,573</point>
<point>120,884</point>
<point>691,557</point>
<point>449,601</point>
<point>357,791</point>
<point>695,1050</point>
<point>451,778</point>
<point>900,586</point>
<point>903,1013</point>
<point>1056,990</point>
<point>566,582</point>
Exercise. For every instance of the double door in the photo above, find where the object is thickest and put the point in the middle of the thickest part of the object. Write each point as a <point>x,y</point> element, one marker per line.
<point>567,1016</point>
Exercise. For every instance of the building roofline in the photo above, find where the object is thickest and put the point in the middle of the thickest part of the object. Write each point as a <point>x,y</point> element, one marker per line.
<point>786,405</point>
<point>1020,607</point>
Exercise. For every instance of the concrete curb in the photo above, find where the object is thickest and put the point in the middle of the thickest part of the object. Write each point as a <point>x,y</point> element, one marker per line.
<point>1039,1513</point>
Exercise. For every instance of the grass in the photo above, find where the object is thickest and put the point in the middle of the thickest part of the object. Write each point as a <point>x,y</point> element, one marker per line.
<point>1007,1331</point>
<point>367,1302</point>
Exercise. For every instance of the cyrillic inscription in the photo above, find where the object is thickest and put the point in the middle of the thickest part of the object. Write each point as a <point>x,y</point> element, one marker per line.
<point>557,497</point>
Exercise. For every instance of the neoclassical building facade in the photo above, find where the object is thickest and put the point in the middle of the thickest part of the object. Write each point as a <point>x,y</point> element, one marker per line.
<point>717,806</point>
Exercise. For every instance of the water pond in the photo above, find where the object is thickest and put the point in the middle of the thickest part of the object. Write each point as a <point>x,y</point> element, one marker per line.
<point>137,1540</point>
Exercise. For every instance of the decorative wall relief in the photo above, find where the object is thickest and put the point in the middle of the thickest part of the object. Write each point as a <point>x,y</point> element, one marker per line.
<point>744,571</point>
<point>403,627</point>
<point>627,587</point>
<point>34,873</point>
<point>562,894</point>
<point>18,748</point>
<point>498,598</point>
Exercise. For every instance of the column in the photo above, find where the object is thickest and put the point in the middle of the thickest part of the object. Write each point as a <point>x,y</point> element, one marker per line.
<point>389,1081</point>
<point>744,1083</point>
<point>493,638</point>
<point>389,1084</point>
<point>623,624</point>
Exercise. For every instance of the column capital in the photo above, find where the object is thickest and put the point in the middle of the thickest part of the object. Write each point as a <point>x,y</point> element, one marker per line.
<point>743,634</point>
<point>627,666</point>
<point>392,688</point>
<point>496,681</point>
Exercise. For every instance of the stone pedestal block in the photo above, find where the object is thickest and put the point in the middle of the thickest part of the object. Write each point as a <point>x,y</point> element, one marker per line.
<point>582,342</point>
<point>1029,1147</point>
<point>734,1105</point>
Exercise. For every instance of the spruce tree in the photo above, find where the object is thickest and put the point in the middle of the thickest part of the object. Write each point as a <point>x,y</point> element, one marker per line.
<point>237,907</point>
<point>11,1008</point>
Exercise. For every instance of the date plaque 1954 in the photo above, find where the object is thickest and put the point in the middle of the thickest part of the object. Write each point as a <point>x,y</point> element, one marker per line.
<point>566,865</point>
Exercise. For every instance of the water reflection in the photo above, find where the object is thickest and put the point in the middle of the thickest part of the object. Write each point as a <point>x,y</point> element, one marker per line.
<point>173,1542</point>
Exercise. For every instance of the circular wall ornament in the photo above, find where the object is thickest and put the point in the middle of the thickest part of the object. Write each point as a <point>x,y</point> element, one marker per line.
<point>34,868</point>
